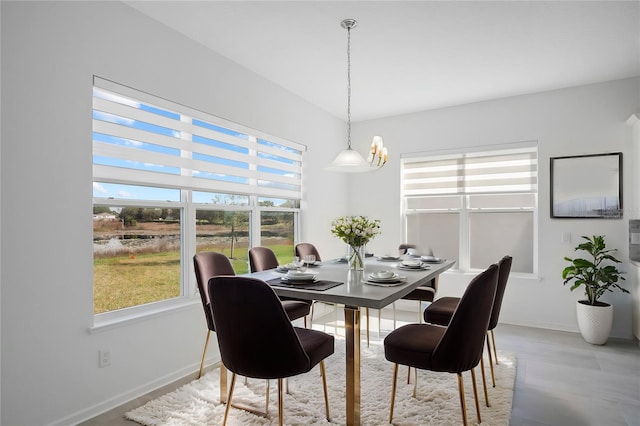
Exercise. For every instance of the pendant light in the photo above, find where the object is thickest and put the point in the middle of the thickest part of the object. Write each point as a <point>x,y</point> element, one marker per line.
<point>350,160</point>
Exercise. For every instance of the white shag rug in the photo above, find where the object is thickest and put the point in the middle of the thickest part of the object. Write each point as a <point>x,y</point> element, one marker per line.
<point>437,401</point>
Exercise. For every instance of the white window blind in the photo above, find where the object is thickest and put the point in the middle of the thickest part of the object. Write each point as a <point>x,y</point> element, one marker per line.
<point>453,202</point>
<point>490,172</point>
<point>151,141</point>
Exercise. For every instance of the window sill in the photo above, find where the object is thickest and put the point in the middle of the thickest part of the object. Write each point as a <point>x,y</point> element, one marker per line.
<point>519,275</point>
<point>124,317</point>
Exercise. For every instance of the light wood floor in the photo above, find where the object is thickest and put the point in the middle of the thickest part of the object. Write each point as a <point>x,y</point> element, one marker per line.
<point>561,380</point>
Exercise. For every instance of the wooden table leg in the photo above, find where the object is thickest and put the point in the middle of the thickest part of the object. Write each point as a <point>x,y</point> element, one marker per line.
<point>352,329</point>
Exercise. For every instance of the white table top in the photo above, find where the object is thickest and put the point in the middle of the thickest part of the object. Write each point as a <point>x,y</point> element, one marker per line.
<point>354,292</point>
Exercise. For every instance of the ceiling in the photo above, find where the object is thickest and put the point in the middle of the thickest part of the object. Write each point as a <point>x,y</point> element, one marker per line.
<point>409,56</point>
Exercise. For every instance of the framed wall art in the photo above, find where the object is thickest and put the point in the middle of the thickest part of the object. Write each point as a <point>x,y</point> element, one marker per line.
<point>587,186</point>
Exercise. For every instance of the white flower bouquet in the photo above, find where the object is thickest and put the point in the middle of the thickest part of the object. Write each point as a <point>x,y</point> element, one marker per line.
<point>356,231</point>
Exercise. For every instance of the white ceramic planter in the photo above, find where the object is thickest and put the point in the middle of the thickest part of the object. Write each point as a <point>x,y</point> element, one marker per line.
<point>594,322</point>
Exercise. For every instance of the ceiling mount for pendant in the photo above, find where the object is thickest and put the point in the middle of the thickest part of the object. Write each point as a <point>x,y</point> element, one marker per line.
<point>348,24</point>
<point>350,160</point>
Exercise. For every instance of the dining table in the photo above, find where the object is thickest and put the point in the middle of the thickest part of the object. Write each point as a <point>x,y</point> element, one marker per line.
<point>336,283</point>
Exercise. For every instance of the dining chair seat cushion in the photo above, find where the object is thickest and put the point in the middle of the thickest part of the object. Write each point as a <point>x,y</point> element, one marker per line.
<point>296,308</point>
<point>441,310</point>
<point>425,294</point>
<point>316,344</point>
<point>413,344</point>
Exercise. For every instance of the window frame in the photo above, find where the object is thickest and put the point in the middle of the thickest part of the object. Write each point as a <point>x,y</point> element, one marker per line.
<point>254,189</point>
<point>465,210</point>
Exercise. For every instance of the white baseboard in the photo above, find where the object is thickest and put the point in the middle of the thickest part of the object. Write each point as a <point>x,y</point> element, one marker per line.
<point>125,397</point>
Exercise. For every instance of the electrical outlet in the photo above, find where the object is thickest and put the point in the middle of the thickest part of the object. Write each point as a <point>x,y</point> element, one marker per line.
<point>635,238</point>
<point>104,358</point>
<point>566,237</point>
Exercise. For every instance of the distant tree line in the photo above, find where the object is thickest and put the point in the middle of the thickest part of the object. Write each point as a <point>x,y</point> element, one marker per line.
<point>132,215</point>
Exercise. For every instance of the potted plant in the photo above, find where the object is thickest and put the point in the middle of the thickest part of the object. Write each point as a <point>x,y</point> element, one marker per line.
<point>597,274</point>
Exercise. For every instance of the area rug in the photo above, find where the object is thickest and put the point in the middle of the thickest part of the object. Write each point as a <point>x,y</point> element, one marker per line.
<point>437,401</point>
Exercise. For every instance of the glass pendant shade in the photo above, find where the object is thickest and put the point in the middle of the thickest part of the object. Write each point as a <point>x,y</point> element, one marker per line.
<point>349,161</point>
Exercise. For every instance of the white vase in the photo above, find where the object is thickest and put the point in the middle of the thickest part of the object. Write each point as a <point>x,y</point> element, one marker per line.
<point>594,322</point>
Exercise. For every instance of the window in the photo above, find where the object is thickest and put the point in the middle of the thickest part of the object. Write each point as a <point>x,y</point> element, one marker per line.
<point>170,181</point>
<point>474,207</point>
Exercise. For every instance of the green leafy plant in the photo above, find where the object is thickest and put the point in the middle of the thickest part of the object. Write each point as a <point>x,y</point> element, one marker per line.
<point>592,273</point>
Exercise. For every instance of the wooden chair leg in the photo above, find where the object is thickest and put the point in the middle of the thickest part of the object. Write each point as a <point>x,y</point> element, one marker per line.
<point>324,387</point>
<point>228,407</point>
<point>419,311</point>
<point>475,394</point>
<point>408,375</point>
<point>204,353</point>
<point>493,378</point>
<point>305,321</point>
<point>393,391</point>
<point>463,405</point>
<point>484,381</point>
<point>415,381</point>
<point>280,403</point>
<point>311,314</point>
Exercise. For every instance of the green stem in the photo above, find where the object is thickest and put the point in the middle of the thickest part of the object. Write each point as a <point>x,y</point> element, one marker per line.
<point>355,260</point>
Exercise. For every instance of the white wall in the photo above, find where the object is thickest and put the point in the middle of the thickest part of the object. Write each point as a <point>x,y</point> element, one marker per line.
<point>50,50</point>
<point>582,120</point>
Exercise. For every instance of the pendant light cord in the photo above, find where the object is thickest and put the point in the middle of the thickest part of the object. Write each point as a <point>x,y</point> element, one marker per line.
<point>349,86</point>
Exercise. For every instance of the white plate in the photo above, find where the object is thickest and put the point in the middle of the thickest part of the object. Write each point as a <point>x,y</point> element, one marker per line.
<point>374,275</point>
<point>431,259</point>
<point>413,268</point>
<point>385,284</point>
<point>287,268</point>
<point>388,258</point>
<point>396,279</point>
<point>299,277</point>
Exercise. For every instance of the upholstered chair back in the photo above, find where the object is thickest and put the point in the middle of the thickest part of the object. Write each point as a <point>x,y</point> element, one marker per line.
<point>261,259</point>
<point>209,264</point>
<point>460,348</point>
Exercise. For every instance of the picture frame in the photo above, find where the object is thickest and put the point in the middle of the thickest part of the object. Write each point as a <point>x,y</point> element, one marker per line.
<point>586,186</point>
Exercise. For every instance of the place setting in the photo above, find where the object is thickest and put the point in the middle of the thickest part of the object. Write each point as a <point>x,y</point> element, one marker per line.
<point>298,264</point>
<point>388,258</point>
<point>385,279</point>
<point>412,265</point>
<point>297,276</point>
<point>302,278</point>
<point>432,259</point>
